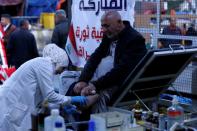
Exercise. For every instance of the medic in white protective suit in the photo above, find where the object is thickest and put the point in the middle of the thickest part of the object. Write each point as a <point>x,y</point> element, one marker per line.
<point>29,86</point>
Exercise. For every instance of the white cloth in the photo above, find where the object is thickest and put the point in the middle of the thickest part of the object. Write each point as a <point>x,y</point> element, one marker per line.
<point>57,82</point>
<point>6,27</point>
<point>106,63</point>
<point>67,78</point>
<point>58,55</point>
<point>24,90</point>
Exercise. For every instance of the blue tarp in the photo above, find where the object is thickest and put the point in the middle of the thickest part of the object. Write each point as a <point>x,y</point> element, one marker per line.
<point>35,7</point>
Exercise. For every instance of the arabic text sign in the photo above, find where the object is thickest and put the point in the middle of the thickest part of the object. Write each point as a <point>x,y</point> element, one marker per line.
<point>86,22</point>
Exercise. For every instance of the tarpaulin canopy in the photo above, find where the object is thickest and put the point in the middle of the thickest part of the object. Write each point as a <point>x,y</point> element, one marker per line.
<point>35,7</point>
<point>10,2</point>
<point>41,2</point>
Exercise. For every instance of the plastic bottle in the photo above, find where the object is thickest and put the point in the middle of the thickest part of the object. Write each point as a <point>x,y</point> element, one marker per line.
<point>155,121</point>
<point>144,115</point>
<point>174,113</point>
<point>149,121</point>
<point>91,125</point>
<point>137,111</point>
<point>49,122</point>
<point>162,122</point>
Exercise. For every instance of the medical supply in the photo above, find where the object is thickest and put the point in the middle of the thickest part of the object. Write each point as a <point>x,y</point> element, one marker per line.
<point>49,122</point>
<point>180,99</point>
<point>174,113</point>
<point>144,115</point>
<point>137,111</point>
<point>155,120</point>
<point>134,123</point>
<point>110,121</point>
<point>162,122</point>
<point>91,125</point>
<point>149,121</point>
<point>135,126</point>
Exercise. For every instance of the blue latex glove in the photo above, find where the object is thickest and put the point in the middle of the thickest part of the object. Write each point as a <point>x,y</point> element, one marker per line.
<point>79,100</point>
<point>71,109</point>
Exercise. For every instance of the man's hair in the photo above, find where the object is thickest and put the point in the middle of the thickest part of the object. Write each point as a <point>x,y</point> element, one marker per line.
<point>23,22</point>
<point>60,12</point>
<point>6,16</point>
<point>112,14</point>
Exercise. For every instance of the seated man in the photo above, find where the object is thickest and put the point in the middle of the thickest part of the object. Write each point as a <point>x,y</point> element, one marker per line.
<point>125,46</point>
<point>172,29</point>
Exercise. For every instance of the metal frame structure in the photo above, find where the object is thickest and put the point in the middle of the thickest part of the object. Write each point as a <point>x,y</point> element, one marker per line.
<point>146,78</point>
<point>189,79</point>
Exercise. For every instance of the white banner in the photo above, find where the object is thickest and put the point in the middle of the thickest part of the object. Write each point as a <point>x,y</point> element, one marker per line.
<point>2,49</point>
<point>86,15</point>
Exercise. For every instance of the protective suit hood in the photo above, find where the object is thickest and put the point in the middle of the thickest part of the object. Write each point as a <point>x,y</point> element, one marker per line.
<point>57,55</point>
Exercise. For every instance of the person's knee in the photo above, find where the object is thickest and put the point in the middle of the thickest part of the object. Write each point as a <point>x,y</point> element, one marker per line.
<point>70,91</point>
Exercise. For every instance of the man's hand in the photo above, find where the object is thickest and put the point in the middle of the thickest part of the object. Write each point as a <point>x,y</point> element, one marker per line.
<point>88,90</point>
<point>160,45</point>
<point>79,86</point>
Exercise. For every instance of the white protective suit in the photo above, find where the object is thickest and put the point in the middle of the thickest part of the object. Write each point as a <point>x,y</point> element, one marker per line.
<point>25,89</point>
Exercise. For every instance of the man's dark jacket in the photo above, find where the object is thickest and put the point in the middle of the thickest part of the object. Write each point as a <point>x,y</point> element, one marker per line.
<point>8,31</point>
<point>129,51</point>
<point>168,31</point>
<point>60,33</point>
<point>21,47</point>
